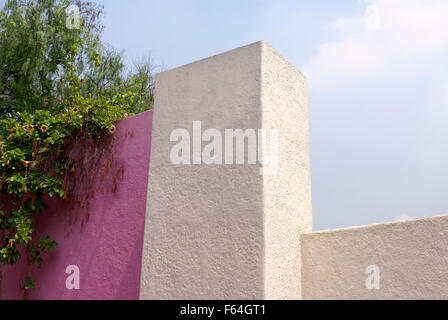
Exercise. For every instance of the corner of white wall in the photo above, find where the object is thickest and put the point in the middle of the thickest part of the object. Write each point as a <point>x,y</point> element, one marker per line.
<point>225,231</point>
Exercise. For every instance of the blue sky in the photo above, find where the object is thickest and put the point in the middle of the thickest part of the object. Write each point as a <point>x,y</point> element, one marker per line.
<point>377,73</point>
<point>378,86</point>
<point>178,32</point>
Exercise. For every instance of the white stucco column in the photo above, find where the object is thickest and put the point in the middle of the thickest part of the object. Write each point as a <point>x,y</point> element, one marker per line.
<point>226,230</point>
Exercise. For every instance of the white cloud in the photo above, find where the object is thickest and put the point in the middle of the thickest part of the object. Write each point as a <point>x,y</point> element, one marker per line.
<point>391,33</point>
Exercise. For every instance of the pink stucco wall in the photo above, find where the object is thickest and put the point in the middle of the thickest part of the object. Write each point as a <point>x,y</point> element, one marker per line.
<point>104,240</point>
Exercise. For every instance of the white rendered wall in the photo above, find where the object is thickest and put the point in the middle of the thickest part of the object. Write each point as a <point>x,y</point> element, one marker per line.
<point>286,195</point>
<point>412,258</point>
<point>225,231</point>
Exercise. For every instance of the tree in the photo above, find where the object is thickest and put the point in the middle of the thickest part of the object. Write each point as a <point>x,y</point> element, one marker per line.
<point>112,77</point>
<point>38,52</point>
<point>35,47</point>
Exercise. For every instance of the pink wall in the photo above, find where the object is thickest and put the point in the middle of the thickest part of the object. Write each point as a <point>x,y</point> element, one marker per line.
<point>103,235</point>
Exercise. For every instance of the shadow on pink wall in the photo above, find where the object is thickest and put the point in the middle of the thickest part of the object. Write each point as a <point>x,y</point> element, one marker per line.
<point>105,241</point>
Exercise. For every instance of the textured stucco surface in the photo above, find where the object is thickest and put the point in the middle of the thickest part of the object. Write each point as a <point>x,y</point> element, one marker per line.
<point>225,231</point>
<point>287,195</point>
<point>412,257</point>
<point>105,241</point>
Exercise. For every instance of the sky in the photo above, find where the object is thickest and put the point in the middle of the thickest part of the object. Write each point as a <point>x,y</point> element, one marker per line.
<point>378,88</point>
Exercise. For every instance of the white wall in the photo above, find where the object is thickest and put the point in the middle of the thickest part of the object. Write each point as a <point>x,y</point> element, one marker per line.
<point>225,231</point>
<point>412,257</point>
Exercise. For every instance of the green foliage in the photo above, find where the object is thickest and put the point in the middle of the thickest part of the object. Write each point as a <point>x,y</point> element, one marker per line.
<point>38,55</point>
<point>29,285</point>
<point>33,163</point>
<point>111,77</point>
<point>35,45</point>
<point>58,86</point>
